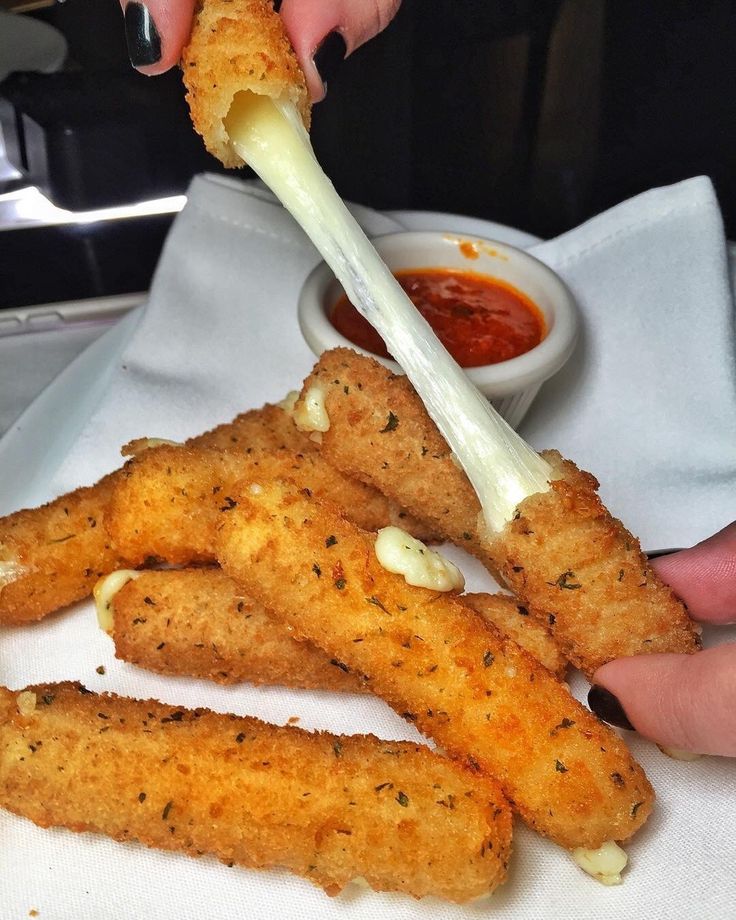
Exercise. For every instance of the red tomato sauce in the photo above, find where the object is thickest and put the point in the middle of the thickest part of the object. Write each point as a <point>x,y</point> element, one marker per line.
<point>480,320</point>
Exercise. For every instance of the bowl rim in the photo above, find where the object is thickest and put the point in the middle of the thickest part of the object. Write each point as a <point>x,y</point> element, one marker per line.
<point>502,379</point>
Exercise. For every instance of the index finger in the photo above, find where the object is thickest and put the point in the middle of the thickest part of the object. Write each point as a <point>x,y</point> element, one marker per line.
<point>309,23</point>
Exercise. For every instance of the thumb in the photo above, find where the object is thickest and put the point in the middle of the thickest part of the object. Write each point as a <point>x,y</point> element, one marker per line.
<point>680,701</point>
<point>704,576</point>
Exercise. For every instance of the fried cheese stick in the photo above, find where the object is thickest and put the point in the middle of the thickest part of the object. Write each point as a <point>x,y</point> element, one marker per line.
<point>562,554</point>
<point>198,623</point>
<point>329,808</point>
<point>480,697</point>
<point>250,36</point>
<point>170,501</point>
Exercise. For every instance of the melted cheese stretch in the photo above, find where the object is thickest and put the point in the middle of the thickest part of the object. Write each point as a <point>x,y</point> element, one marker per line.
<point>269,135</point>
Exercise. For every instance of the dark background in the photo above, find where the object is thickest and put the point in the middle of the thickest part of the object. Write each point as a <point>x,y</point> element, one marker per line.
<point>535,113</point>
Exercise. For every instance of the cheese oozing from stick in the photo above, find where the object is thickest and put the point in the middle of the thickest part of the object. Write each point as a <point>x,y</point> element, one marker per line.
<point>419,565</point>
<point>605,864</point>
<point>104,592</point>
<point>269,135</point>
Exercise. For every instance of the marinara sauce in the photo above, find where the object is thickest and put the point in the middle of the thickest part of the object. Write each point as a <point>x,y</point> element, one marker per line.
<point>479,319</point>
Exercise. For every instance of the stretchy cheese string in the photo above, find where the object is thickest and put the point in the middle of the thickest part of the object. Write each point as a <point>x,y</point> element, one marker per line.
<point>503,468</point>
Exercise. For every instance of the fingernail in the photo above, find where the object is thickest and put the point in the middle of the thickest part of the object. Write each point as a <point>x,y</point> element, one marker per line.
<point>656,553</point>
<point>329,56</point>
<point>277,5</point>
<point>144,42</point>
<point>605,705</point>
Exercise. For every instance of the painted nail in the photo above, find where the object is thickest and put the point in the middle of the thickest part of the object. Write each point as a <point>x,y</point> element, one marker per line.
<point>656,553</point>
<point>329,56</point>
<point>144,42</point>
<point>605,705</point>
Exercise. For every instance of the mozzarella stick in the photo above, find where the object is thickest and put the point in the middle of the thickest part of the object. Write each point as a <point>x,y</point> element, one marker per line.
<point>563,554</point>
<point>51,556</point>
<point>249,38</point>
<point>170,501</point>
<point>329,808</point>
<point>479,696</point>
<point>197,623</point>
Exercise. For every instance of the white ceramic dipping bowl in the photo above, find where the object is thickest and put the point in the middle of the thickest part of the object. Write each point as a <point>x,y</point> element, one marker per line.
<point>510,385</point>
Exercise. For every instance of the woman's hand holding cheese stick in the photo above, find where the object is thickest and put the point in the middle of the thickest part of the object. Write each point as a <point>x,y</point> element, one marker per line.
<point>322,33</point>
<point>682,701</point>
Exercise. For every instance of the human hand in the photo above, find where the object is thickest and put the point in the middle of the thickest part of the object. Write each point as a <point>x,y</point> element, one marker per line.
<point>682,701</point>
<point>323,32</point>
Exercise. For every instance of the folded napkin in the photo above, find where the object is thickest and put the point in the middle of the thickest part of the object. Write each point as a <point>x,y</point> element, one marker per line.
<point>647,403</point>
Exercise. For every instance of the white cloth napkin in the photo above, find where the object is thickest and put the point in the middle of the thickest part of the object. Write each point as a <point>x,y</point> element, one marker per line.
<point>647,403</point>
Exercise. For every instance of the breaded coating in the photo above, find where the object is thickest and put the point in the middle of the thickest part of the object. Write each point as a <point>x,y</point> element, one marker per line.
<point>237,46</point>
<point>514,621</point>
<point>481,698</point>
<point>52,556</point>
<point>329,808</point>
<point>565,554</point>
<point>381,433</point>
<point>197,623</point>
<point>170,501</point>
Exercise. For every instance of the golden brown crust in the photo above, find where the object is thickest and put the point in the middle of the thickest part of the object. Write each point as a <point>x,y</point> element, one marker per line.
<point>58,550</point>
<point>196,623</point>
<point>326,807</point>
<point>565,554</point>
<point>237,45</point>
<point>437,663</point>
<point>515,621</point>
<point>272,428</point>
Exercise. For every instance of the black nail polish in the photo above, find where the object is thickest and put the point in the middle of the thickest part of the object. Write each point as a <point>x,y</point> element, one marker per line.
<point>605,705</point>
<point>657,553</point>
<point>144,42</point>
<point>329,56</point>
<point>277,5</point>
